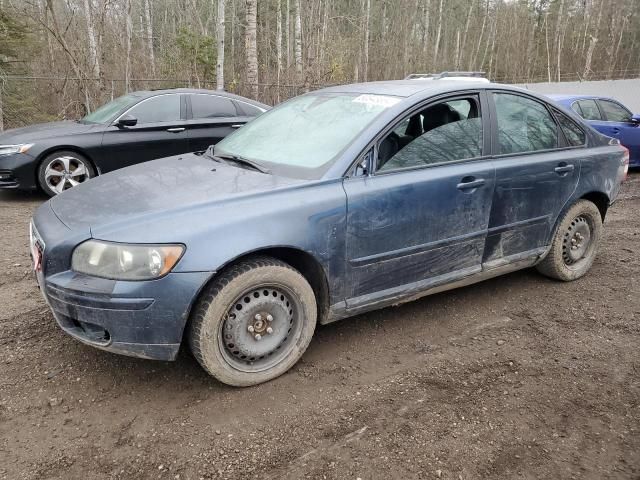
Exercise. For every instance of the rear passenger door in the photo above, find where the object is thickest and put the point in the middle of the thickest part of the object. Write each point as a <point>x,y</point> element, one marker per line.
<point>537,170</point>
<point>210,119</point>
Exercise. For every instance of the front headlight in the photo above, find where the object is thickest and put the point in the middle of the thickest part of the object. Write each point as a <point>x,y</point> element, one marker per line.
<point>119,261</point>
<point>10,149</point>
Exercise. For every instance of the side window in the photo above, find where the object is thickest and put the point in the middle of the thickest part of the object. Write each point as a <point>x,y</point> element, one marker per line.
<point>249,110</point>
<point>524,125</point>
<point>444,132</point>
<point>163,108</point>
<point>589,109</point>
<point>614,112</point>
<point>211,106</point>
<point>572,132</point>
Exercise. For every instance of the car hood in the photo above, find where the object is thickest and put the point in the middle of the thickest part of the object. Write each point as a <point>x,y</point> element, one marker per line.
<point>158,187</point>
<point>40,131</point>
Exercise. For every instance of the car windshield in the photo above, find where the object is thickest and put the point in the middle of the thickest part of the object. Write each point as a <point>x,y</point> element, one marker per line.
<point>109,110</point>
<point>302,137</point>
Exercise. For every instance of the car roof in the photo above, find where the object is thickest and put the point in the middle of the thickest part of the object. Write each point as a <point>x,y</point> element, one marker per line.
<point>221,93</point>
<point>566,97</point>
<point>408,88</point>
<point>411,91</point>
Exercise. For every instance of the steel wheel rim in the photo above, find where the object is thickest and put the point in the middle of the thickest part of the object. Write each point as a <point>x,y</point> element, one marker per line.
<point>577,242</point>
<point>237,341</point>
<point>66,172</point>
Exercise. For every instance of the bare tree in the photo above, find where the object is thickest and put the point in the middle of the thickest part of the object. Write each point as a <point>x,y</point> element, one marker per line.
<point>367,13</point>
<point>559,38</point>
<point>278,44</point>
<point>128,26</point>
<point>439,32</point>
<point>425,28</point>
<point>287,29</point>
<point>298,41</point>
<point>149,25</point>
<point>220,36</point>
<point>251,46</point>
<point>93,44</point>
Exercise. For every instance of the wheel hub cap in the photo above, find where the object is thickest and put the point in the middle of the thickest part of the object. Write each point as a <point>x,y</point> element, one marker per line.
<point>576,241</point>
<point>258,325</point>
<point>65,172</point>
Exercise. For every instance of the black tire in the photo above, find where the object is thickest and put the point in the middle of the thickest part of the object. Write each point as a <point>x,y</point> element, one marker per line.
<point>73,169</point>
<point>219,333</point>
<point>570,257</point>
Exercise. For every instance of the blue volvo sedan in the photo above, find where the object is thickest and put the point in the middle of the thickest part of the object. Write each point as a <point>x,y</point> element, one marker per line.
<point>332,204</point>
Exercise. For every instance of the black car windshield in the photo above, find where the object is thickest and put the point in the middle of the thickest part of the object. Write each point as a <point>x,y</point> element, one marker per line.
<point>108,111</point>
<point>302,137</point>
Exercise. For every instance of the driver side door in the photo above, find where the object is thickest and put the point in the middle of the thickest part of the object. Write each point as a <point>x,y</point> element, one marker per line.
<point>619,124</point>
<point>420,219</point>
<point>159,132</point>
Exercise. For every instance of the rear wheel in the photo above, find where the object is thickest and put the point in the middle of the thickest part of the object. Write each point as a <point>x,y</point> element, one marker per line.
<point>62,170</point>
<point>575,243</point>
<point>254,322</point>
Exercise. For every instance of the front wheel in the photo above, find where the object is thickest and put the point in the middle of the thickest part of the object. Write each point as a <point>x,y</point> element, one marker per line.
<point>254,322</point>
<point>62,170</point>
<point>575,243</point>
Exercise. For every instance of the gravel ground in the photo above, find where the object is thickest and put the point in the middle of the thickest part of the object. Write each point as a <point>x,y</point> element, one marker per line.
<point>516,377</point>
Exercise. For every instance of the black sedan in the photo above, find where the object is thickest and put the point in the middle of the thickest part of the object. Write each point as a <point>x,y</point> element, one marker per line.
<point>134,128</point>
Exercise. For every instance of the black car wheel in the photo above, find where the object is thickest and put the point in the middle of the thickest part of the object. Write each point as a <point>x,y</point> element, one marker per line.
<point>254,322</point>
<point>62,170</point>
<point>575,243</point>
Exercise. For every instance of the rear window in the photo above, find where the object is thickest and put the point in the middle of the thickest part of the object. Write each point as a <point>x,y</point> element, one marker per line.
<point>212,106</point>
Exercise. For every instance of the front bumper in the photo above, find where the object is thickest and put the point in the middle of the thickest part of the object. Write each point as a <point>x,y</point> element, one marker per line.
<point>17,171</point>
<point>141,319</point>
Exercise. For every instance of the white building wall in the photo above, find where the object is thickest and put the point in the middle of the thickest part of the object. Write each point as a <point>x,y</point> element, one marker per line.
<point>625,91</point>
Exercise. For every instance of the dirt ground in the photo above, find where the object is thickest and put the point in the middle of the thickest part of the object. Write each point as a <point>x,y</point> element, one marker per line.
<point>517,377</point>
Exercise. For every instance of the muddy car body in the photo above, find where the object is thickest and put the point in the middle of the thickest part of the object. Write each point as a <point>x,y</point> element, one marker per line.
<point>492,179</point>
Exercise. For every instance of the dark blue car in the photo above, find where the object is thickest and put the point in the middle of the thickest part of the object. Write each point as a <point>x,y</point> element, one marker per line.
<point>608,116</point>
<point>332,204</point>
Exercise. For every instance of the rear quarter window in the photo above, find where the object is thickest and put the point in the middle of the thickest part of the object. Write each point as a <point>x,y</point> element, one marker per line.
<point>572,131</point>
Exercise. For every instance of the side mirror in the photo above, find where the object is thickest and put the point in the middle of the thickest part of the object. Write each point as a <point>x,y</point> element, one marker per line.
<point>127,121</point>
<point>636,119</point>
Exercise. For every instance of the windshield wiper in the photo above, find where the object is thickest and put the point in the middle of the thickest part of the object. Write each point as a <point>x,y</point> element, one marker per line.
<point>241,160</point>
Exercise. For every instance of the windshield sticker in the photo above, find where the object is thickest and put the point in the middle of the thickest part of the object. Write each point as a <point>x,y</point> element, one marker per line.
<point>377,100</point>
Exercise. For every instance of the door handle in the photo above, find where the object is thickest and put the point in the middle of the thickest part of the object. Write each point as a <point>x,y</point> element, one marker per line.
<point>562,169</point>
<point>468,183</point>
<point>237,125</point>
<point>176,129</point>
